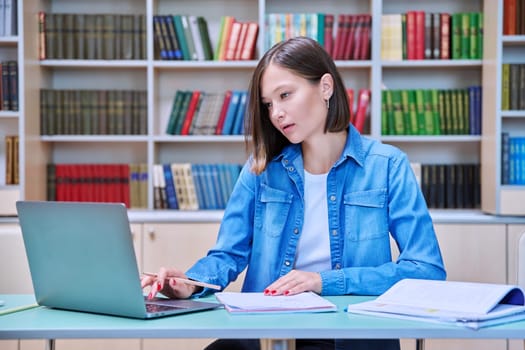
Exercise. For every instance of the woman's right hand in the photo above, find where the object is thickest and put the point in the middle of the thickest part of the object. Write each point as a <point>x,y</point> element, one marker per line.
<point>162,283</point>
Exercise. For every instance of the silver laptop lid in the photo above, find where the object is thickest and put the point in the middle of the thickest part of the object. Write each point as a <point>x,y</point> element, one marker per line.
<point>81,257</point>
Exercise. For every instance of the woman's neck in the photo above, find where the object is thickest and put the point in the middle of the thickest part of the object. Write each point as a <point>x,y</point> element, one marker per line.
<point>321,155</point>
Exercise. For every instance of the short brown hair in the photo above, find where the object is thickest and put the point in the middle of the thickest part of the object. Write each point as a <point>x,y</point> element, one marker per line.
<point>308,59</point>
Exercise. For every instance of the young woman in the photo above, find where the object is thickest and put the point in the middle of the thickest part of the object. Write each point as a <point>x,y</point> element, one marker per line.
<point>316,203</point>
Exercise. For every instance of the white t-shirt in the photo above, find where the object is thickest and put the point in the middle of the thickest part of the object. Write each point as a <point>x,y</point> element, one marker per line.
<point>313,250</point>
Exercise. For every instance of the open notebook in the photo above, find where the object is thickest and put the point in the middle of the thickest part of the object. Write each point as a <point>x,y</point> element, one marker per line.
<point>81,258</point>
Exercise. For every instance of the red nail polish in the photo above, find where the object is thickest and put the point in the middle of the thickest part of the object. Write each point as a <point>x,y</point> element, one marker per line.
<point>274,291</point>
<point>266,292</point>
<point>287,292</point>
<point>150,296</point>
<point>158,287</point>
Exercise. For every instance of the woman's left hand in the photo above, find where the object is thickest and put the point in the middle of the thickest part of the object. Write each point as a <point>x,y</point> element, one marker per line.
<point>295,282</point>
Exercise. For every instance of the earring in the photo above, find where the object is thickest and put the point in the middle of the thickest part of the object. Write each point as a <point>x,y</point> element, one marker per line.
<point>328,103</point>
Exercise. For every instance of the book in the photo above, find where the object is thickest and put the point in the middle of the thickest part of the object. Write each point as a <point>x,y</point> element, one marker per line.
<point>250,42</point>
<point>468,304</point>
<point>243,303</point>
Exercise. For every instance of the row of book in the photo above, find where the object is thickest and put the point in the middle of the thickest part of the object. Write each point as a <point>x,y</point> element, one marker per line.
<point>92,36</point>
<point>347,38</point>
<point>11,160</point>
<point>513,17</point>
<point>93,112</point>
<point>513,86</point>
<point>193,186</point>
<point>8,18</point>
<point>450,186</point>
<point>431,112</point>
<point>417,35</point>
<point>94,183</point>
<point>9,86</point>
<point>512,159</point>
<point>206,113</point>
<point>186,37</point>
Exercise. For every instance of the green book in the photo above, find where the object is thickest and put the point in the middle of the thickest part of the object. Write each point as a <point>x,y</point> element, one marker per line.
<point>420,110</point>
<point>428,113</point>
<point>409,111</point>
<point>181,37</point>
<point>454,104</point>
<point>384,113</point>
<point>177,103</point>
<point>443,126</point>
<point>320,28</point>
<point>473,35</point>
<point>480,36</point>
<point>455,39</point>
<point>435,111</point>
<point>205,37</point>
<point>389,109</point>
<point>465,36</point>
<point>182,111</point>
<point>399,119</point>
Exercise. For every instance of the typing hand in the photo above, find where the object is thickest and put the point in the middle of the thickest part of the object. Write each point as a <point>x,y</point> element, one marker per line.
<point>295,282</point>
<point>165,282</point>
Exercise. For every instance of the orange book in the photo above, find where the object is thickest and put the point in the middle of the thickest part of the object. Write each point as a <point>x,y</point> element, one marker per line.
<point>363,102</point>
<point>445,36</point>
<point>224,109</point>
<point>233,41</point>
<point>509,17</point>
<point>224,37</point>
<point>192,107</point>
<point>248,48</point>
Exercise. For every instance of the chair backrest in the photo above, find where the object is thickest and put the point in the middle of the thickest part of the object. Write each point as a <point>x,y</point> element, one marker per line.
<point>521,261</point>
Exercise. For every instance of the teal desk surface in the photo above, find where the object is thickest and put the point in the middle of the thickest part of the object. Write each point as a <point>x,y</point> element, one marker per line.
<point>46,323</point>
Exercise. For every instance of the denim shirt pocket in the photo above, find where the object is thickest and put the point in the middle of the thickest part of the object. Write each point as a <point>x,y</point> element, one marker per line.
<point>273,211</point>
<point>366,214</point>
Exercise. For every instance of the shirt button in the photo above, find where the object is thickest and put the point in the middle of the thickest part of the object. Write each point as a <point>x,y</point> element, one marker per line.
<point>332,198</point>
<point>296,230</point>
<point>291,168</point>
<point>337,266</point>
<point>286,161</point>
<point>334,233</point>
<point>287,263</point>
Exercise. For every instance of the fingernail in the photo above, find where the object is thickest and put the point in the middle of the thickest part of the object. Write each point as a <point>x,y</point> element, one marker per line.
<point>287,292</point>
<point>266,292</point>
<point>150,296</point>
<point>274,291</point>
<point>158,287</point>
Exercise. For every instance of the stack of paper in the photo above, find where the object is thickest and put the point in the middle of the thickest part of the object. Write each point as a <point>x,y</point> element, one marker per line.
<point>468,304</point>
<point>260,303</point>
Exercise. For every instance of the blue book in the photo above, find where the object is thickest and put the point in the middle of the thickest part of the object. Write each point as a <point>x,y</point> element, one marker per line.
<point>238,128</point>
<point>196,171</point>
<point>171,195</point>
<point>231,113</point>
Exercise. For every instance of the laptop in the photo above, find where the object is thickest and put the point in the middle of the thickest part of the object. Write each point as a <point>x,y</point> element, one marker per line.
<point>81,258</point>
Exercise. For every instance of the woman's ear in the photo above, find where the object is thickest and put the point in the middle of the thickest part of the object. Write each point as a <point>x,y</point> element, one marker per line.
<point>327,86</point>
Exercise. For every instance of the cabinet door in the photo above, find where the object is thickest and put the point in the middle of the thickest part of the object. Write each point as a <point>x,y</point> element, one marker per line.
<point>176,245</point>
<point>514,233</point>
<point>14,270</point>
<point>476,253</point>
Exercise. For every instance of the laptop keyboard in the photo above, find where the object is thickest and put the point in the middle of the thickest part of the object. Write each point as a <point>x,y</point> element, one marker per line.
<point>158,307</point>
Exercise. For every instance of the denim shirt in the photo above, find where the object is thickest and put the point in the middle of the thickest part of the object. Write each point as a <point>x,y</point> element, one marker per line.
<point>372,194</point>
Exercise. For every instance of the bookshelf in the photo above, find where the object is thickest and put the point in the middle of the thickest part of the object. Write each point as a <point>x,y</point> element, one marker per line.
<point>11,118</point>
<point>500,198</point>
<point>161,79</point>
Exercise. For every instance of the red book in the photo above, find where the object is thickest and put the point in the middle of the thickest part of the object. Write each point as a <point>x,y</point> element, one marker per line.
<point>420,35</point>
<point>350,95</point>
<point>328,32</point>
<point>411,35</point>
<point>124,184</point>
<point>248,48</point>
<point>338,44</point>
<point>366,23</point>
<point>509,17</point>
<point>60,182</point>
<point>192,107</point>
<point>444,46</point>
<point>363,102</point>
<point>350,37</point>
<point>233,41</point>
<point>224,109</point>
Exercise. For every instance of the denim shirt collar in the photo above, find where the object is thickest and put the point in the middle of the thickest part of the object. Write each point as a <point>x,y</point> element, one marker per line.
<point>354,149</point>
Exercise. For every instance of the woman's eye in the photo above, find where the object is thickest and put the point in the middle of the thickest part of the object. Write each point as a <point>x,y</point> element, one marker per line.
<point>285,95</point>
<point>268,105</point>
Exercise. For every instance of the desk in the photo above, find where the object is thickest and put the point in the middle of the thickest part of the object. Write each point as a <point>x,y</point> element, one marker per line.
<point>45,323</point>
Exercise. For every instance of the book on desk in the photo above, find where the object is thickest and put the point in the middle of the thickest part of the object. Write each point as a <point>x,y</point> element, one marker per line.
<point>468,304</point>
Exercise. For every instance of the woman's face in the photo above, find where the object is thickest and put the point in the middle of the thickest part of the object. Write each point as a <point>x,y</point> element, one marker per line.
<point>296,107</point>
